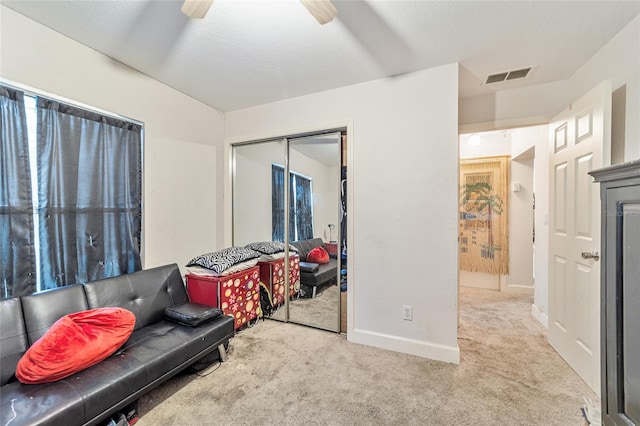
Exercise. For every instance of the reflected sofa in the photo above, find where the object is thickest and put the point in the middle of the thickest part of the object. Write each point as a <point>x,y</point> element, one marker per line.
<point>310,280</point>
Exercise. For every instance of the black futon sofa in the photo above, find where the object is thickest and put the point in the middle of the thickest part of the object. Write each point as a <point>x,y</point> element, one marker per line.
<point>311,280</point>
<point>156,350</point>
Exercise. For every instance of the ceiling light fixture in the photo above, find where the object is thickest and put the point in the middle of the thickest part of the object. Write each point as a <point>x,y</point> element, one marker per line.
<point>196,9</point>
<point>475,140</point>
<point>323,10</point>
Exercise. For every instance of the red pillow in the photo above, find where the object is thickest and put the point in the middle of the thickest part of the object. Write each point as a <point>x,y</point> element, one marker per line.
<point>75,342</point>
<point>318,255</point>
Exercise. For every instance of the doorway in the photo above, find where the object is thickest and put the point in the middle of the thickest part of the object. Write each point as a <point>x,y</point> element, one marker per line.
<point>525,149</point>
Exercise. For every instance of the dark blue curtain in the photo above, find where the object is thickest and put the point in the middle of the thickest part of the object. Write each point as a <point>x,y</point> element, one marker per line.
<point>17,251</point>
<point>277,203</point>
<point>89,200</point>
<point>304,208</point>
<point>300,206</point>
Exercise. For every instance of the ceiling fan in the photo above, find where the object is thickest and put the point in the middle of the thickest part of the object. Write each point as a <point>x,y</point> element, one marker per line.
<point>323,10</point>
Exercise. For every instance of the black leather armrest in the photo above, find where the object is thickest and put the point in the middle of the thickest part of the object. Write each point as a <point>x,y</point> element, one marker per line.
<point>309,267</point>
<point>191,314</point>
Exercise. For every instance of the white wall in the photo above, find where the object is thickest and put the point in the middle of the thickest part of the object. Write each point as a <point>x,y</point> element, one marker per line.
<point>513,108</point>
<point>402,135</point>
<point>182,136</point>
<point>524,139</point>
<point>618,61</point>
<point>252,191</point>
<point>521,220</point>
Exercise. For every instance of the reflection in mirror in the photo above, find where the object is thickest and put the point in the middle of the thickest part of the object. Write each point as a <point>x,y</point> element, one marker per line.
<point>314,183</point>
<point>253,217</point>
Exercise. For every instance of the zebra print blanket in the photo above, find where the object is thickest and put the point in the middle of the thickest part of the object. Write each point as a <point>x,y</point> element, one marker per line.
<point>224,259</point>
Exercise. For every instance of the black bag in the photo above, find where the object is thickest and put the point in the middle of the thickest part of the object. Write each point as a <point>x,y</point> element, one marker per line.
<point>265,301</point>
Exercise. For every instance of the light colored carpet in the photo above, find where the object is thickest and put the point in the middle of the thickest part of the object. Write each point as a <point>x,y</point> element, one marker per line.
<point>284,374</point>
<point>323,311</point>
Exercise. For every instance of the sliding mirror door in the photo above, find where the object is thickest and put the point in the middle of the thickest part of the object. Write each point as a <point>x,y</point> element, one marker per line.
<point>258,207</point>
<point>264,202</point>
<point>314,218</point>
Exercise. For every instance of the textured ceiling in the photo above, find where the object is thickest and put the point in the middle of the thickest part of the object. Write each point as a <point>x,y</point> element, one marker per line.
<point>246,53</point>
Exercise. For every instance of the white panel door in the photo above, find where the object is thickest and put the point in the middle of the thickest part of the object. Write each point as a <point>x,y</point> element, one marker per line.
<point>580,142</point>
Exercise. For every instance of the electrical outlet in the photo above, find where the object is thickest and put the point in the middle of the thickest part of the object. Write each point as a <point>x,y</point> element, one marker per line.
<point>407,313</point>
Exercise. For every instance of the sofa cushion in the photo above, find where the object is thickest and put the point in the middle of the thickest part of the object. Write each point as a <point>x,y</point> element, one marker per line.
<point>166,345</point>
<point>145,293</point>
<point>43,309</point>
<point>13,337</point>
<point>108,385</point>
<point>75,342</point>
<point>55,403</point>
<point>318,255</point>
<point>325,273</point>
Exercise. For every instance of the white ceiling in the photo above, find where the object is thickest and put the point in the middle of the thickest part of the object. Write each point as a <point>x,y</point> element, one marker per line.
<point>246,53</point>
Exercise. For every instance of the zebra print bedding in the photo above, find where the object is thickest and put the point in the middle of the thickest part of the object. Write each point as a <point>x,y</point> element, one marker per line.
<point>269,247</point>
<point>224,259</point>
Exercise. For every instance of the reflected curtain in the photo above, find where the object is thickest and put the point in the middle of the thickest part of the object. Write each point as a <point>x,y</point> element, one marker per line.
<point>304,208</point>
<point>483,235</point>
<point>89,200</point>
<point>300,206</point>
<point>277,203</point>
<point>17,251</point>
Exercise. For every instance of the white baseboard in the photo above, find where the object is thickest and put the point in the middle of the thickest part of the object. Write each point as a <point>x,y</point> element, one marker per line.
<point>419,348</point>
<point>518,288</point>
<point>541,316</point>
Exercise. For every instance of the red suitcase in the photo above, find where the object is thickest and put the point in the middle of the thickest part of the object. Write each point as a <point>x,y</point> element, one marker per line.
<point>238,295</point>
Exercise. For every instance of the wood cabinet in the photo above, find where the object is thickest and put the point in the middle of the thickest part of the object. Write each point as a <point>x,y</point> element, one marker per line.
<point>620,293</point>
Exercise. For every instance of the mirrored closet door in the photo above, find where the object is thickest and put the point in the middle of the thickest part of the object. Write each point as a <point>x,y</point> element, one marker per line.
<point>314,165</point>
<point>303,209</point>
<point>253,214</point>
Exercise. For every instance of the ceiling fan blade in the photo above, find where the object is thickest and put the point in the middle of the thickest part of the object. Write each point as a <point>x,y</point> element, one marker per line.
<point>323,10</point>
<point>196,8</point>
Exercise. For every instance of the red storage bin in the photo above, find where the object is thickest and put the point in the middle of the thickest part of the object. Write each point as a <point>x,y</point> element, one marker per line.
<point>238,295</point>
<point>272,275</point>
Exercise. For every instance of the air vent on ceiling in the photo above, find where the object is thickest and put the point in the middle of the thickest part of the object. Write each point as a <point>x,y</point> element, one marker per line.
<point>509,75</point>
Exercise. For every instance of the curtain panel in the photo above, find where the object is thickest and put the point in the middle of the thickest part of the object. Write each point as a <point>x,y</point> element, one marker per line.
<point>484,232</point>
<point>300,205</point>
<point>17,250</point>
<point>89,198</point>
<point>304,208</point>
<point>277,203</point>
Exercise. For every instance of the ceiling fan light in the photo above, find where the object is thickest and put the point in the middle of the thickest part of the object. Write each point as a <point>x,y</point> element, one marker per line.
<point>196,8</point>
<point>323,10</point>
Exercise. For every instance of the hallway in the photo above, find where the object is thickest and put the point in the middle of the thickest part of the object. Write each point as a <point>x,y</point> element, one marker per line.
<point>506,351</point>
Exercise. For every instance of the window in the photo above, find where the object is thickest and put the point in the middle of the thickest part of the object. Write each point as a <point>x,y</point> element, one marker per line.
<point>81,189</point>
<point>300,202</point>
